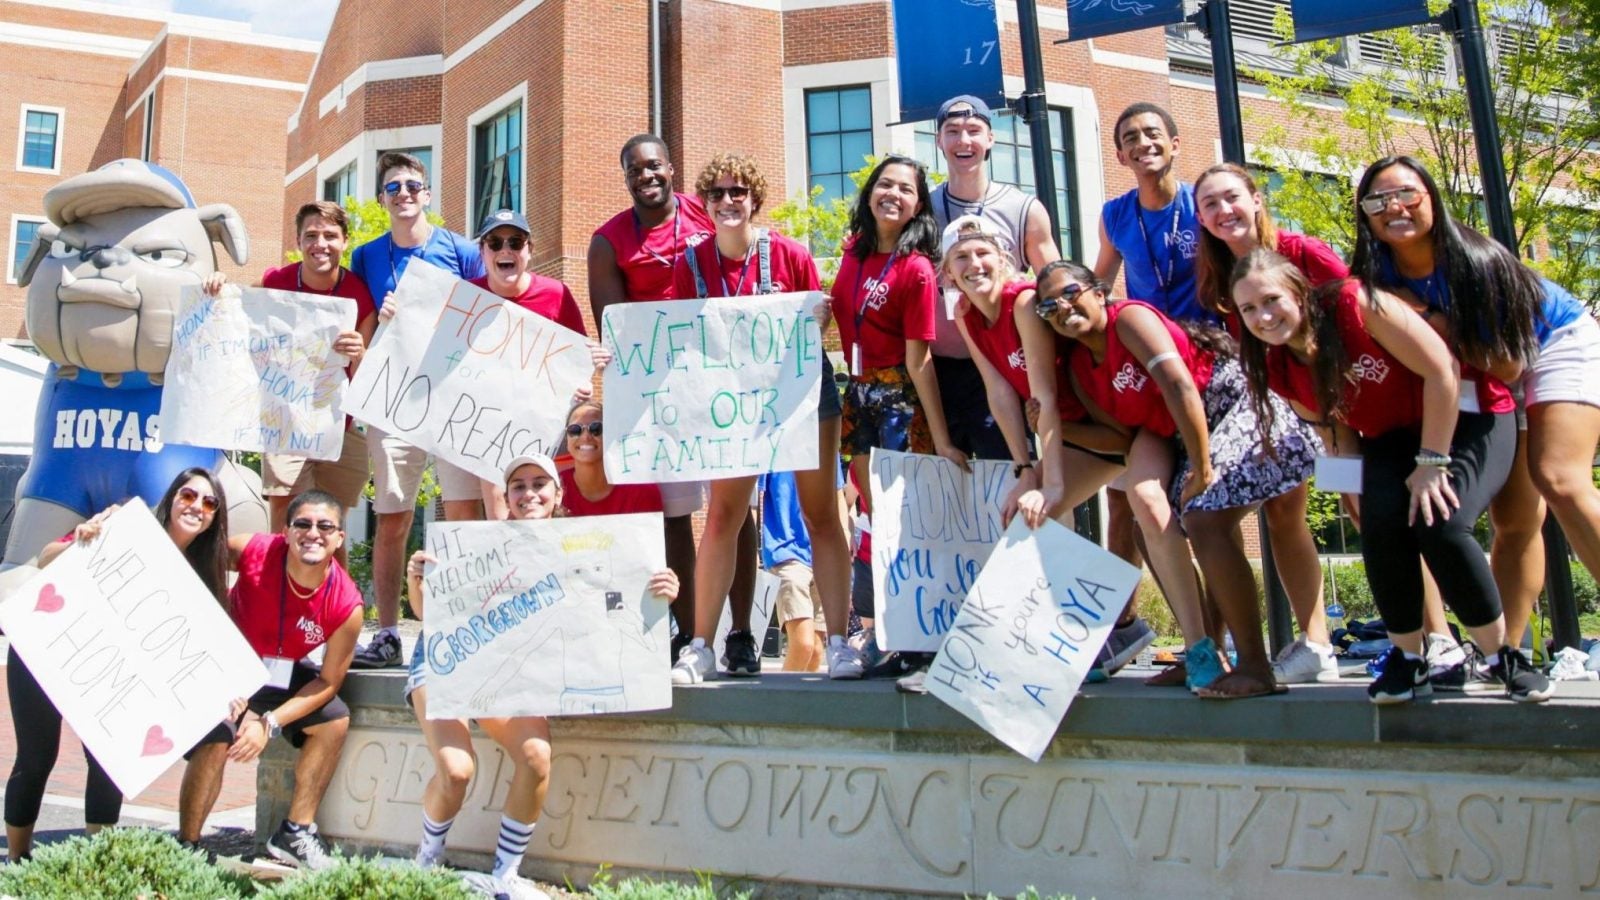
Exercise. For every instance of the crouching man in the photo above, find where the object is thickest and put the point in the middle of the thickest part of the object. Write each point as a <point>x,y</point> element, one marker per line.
<point>292,596</point>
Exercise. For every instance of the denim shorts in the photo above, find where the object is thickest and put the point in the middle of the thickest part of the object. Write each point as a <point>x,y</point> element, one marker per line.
<point>417,672</point>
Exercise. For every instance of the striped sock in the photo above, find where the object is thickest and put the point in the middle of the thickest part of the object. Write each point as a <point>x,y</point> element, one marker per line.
<point>433,834</point>
<point>514,837</point>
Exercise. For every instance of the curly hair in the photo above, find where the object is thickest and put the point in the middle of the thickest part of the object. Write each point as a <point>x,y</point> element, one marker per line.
<point>1216,258</point>
<point>740,168</point>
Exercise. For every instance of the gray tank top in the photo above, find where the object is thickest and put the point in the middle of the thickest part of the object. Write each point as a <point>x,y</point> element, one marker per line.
<point>1004,205</point>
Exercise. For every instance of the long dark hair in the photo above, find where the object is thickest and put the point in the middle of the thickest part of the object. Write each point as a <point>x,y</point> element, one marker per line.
<point>208,552</point>
<point>1216,257</point>
<point>1494,299</point>
<point>1330,364</point>
<point>921,234</point>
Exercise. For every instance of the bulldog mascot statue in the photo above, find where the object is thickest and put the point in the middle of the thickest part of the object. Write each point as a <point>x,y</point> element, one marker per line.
<point>105,277</point>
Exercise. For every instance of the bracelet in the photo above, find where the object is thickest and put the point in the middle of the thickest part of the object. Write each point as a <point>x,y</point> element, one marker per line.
<point>1017,468</point>
<point>1426,457</point>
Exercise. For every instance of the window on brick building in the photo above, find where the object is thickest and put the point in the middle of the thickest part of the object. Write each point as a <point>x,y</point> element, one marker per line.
<point>22,234</point>
<point>39,144</point>
<point>1011,163</point>
<point>497,155</point>
<point>148,142</point>
<point>341,185</point>
<point>838,138</point>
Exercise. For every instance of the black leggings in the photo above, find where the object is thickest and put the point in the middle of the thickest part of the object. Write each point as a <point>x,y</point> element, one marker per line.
<point>1481,452</point>
<point>37,725</point>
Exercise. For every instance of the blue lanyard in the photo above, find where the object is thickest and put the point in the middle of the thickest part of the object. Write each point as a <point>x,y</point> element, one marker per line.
<point>743,270</point>
<point>861,274</point>
<point>1164,283</point>
<point>421,247</point>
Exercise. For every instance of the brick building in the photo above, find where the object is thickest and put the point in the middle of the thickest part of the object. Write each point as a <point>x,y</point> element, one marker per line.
<point>91,82</point>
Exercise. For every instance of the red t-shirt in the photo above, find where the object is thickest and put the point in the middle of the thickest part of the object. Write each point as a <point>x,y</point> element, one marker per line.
<point>880,306</point>
<point>1384,396</point>
<point>262,600</point>
<point>793,269</point>
<point>624,498</point>
<point>1001,344</point>
<point>1122,386</point>
<point>1315,259</point>
<point>647,258</point>
<point>546,297</point>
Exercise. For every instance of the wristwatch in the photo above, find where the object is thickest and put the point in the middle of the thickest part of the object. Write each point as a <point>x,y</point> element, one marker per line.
<point>273,728</point>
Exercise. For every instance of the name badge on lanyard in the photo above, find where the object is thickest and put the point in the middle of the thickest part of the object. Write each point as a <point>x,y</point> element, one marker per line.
<point>279,670</point>
<point>1339,474</point>
<point>1469,397</point>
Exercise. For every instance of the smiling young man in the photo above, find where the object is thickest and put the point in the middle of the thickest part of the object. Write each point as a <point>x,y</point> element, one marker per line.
<point>322,230</point>
<point>633,257</point>
<point>291,597</point>
<point>397,466</point>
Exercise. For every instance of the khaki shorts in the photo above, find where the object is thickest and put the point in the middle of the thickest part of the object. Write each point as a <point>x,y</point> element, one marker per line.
<point>344,478</point>
<point>397,472</point>
<point>797,598</point>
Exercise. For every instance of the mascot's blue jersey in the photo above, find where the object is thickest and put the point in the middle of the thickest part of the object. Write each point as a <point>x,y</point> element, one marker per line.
<point>104,444</point>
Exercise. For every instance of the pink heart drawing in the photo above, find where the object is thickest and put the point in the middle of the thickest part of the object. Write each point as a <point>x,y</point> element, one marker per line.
<point>156,742</point>
<point>49,601</point>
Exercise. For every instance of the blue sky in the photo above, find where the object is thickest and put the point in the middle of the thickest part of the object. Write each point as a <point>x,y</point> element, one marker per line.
<point>288,18</point>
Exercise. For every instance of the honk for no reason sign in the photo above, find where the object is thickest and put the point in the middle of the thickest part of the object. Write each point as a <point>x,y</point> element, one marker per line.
<point>129,645</point>
<point>472,378</point>
<point>708,389</point>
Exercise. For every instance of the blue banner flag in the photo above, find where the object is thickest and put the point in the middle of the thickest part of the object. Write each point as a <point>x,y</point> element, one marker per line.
<point>1316,20</point>
<point>945,48</point>
<point>1099,18</point>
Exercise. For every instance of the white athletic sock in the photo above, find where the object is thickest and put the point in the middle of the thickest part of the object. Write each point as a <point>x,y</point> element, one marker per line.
<point>514,837</point>
<point>1323,649</point>
<point>392,631</point>
<point>836,640</point>
<point>433,835</point>
<point>698,643</point>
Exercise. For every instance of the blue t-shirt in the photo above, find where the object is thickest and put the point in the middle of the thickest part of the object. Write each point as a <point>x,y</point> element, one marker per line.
<point>1159,249</point>
<point>1558,310</point>
<point>379,263</point>
<point>783,528</point>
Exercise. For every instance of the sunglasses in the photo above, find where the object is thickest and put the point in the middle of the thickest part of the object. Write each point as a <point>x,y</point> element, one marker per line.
<point>189,495</point>
<point>736,193</point>
<point>394,187</point>
<point>322,525</point>
<point>1373,204</point>
<point>576,428</point>
<point>516,242</point>
<point>1047,307</point>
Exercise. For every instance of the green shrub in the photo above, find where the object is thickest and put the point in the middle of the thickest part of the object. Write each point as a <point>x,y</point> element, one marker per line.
<point>1348,582</point>
<point>601,887</point>
<point>1584,590</point>
<point>363,879</point>
<point>119,863</point>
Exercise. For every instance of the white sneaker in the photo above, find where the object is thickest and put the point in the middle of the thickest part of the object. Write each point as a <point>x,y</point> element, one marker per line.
<point>844,662</point>
<point>428,860</point>
<point>1442,653</point>
<point>511,887</point>
<point>1300,663</point>
<point>694,665</point>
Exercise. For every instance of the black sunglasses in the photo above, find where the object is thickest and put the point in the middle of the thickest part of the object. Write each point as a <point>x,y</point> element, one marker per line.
<point>576,428</point>
<point>1047,306</point>
<point>516,242</point>
<point>736,193</point>
<point>322,525</point>
<point>414,187</point>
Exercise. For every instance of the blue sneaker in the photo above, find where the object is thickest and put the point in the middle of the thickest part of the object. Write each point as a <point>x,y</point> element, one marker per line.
<point>1096,675</point>
<point>1201,665</point>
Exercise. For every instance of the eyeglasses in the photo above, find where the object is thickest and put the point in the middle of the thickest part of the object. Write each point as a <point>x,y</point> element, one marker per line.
<point>322,525</point>
<point>189,495</point>
<point>576,428</point>
<point>1049,306</point>
<point>413,187</point>
<point>516,242</point>
<point>736,193</point>
<point>1373,204</point>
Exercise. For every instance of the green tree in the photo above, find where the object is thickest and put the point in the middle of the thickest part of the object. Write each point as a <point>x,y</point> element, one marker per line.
<point>1546,96</point>
<point>825,225</point>
<point>368,220</point>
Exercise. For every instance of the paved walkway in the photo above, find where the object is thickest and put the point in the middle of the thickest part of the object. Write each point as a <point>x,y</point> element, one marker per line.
<point>157,807</point>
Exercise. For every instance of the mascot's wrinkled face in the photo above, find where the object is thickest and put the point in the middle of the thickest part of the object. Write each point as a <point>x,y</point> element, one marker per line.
<point>107,287</point>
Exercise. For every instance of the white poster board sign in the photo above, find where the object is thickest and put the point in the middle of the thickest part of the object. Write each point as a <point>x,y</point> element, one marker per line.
<point>545,618</point>
<point>129,645</point>
<point>709,389</point>
<point>933,527</point>
<point>254,369</point>
<point>467,376</point>
<point>1029,633</point>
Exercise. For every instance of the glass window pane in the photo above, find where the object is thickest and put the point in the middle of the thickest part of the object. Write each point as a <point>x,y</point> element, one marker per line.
<point>856,147</point>
<point>824,154</point>
<point>855,109</point>
<point>1025,166</point>
<point>1004,163</point>
<point>822,111</point>
<point>1056,127</point>
<point>22,243</point>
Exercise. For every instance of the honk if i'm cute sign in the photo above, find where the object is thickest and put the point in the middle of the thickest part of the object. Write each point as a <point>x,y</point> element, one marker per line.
<point>129,645</point>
